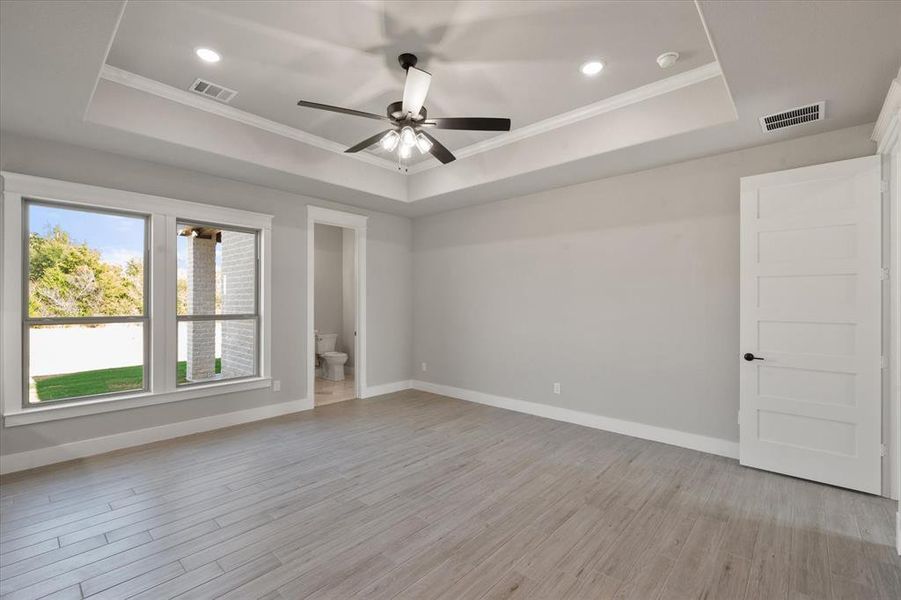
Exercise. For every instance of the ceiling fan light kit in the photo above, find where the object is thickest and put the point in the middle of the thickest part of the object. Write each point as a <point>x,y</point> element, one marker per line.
<point>409,119</point>
<point>407,136</point>
<point>423,142</point>
<point>390,141</point>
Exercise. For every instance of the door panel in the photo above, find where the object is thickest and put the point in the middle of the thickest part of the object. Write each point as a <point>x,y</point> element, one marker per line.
<point>806,385</point>
<point>818,243</point>
<point>811,309</point>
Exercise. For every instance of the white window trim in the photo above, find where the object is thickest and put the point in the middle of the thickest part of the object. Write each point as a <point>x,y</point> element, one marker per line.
<point>164,212</point>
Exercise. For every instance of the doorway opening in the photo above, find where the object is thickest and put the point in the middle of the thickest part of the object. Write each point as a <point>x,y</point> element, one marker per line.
<point>335,306</point>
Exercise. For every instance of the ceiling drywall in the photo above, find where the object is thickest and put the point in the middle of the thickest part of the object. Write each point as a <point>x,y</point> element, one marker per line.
<point>488,58</point>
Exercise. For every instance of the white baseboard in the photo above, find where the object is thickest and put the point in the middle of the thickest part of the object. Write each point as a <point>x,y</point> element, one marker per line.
<point>386,388</point>
<point>54,454</point>
<point>674,437</point>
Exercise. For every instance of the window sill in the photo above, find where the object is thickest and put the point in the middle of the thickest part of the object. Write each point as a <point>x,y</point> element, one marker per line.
<point>93,407</point>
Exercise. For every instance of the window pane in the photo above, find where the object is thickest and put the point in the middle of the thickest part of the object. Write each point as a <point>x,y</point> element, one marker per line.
<point>216,350</point>
<point>69,361</point>
<point>216,270</point>
<point>84,263</point>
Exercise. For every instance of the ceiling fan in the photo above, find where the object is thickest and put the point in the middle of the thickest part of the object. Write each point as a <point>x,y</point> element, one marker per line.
<point>409,119</point>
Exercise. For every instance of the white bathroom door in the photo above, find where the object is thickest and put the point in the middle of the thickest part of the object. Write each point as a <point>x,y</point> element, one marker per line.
<point>810,375</point>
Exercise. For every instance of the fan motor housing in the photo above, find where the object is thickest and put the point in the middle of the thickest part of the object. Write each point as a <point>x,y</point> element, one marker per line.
<point>407,60</point>
<point>396,112</point>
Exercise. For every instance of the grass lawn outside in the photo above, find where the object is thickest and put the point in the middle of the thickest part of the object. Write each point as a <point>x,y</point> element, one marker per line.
<point>101,381</point>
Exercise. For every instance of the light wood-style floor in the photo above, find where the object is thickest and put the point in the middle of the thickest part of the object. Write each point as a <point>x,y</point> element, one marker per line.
<point>418,496</point>
<point>329,392</point>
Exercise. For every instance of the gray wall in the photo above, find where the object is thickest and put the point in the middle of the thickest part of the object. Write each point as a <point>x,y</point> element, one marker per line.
<point>624,290</point>
<point>328,303</point>
<point>388,293</point>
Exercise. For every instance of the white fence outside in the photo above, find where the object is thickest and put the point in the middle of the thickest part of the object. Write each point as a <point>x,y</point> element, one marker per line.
<point>57,350</point>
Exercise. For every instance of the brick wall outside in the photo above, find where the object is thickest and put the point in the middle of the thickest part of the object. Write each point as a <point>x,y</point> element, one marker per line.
<point>201,335</point>
<point>238,295</point>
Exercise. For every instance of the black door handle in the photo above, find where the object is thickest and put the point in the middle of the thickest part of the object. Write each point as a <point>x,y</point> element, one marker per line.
<point>749,357</point>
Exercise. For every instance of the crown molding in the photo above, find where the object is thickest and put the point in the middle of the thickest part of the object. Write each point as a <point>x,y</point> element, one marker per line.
<point>633,96</point>
<point>151,86</point>
<point>888,122</point>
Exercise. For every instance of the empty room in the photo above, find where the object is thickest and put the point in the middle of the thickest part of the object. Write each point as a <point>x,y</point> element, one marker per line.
<point>450,299</point>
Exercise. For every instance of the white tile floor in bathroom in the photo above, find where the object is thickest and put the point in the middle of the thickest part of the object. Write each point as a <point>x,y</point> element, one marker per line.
<point>328,392</point>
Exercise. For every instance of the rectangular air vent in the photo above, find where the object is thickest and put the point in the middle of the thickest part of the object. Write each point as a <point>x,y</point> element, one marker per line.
<point>793,116</point>
<point>212,90</point>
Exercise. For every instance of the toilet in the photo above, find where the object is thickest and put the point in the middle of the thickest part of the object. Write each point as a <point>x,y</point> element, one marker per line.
<point>331,362</point>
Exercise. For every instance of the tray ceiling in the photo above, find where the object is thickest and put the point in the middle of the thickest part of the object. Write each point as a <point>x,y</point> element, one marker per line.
<point>506,59</point>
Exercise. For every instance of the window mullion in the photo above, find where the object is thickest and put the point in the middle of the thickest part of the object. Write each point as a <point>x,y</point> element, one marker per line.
<point>162,303</point>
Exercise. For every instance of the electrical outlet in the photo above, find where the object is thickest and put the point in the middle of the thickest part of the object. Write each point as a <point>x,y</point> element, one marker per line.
<point>424,367</point>
<point>276,385</point>
<point>557,388</point>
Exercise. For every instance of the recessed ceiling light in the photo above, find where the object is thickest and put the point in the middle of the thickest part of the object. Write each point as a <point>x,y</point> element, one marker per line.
<point>207,55</point>
<point>591,68</point>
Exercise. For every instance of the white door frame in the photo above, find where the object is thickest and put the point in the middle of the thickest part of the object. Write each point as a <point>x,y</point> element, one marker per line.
<point>887,135</point>
<point>337,218</point>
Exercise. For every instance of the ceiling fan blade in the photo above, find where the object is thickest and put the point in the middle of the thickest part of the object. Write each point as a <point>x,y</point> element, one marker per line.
<point>367,142</point>
<point>469,123</point>
<point>344,111</point>
<point>438,150</point>
<point>415,90</point>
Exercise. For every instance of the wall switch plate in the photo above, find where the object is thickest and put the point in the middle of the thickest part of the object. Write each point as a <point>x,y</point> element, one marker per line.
<point>276,385</point>
<point>424,367</point>
<point>556,388</point>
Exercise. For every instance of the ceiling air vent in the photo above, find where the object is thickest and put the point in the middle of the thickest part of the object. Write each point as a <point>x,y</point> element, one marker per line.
<point>212,90</point>
<point>793,116</point>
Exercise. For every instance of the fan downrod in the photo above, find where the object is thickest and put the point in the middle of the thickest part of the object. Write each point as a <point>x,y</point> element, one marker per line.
<point>407,60</point>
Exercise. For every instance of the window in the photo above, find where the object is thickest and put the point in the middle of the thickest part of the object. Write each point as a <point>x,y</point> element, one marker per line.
<point>114,300</point>
<point>86,319</point>
<point>216,301</point>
